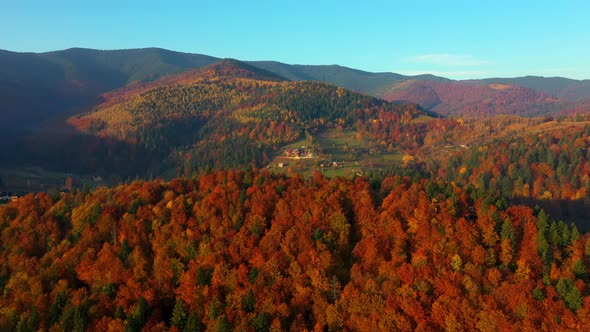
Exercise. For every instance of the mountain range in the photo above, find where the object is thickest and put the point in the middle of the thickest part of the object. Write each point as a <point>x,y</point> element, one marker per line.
<point>287,197</point>
<point>152,112</point>
<point>36,87</point>
<point>230,114</point>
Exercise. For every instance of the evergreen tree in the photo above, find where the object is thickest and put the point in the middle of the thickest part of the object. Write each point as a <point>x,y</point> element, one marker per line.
<point>574,234</point>
<point>56,308</point>
<point>262,322</point>
<point>136,321</point>
<point>222,325</point>
<point>81,317</point>
<point>204,276</point>
<point>508,231</point>
<point>179,315</point>
<point>555,235</point>
<point>570,293</point>
<point>193,323</point>
<point>538,294</point>
<point>579,269</point>
<point>248,302</point>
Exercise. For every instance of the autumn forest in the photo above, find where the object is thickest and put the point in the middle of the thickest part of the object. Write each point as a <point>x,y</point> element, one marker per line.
<point>203,194</point>
<point>239,250</point>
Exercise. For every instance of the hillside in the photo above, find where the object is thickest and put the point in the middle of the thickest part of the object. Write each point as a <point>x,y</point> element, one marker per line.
<point>533,161</point>
<point>475,100</point>
<point>353,79</point>
<point>205,116</point>
<point>103,70</point>
<point>250,251</point>
<point>290,204</point>
<point>70,80</point>
<point>559,87</point>
<point>233,114</point>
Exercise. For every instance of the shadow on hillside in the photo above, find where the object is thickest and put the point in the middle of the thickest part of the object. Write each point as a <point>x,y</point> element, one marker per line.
<point>78,153</point>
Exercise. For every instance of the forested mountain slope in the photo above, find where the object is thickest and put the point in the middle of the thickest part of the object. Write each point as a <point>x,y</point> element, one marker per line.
<point>72,80</point>
<point>461,99</point>
<point>234,114</point>
<point>251,251</point>
<point>36,87</point>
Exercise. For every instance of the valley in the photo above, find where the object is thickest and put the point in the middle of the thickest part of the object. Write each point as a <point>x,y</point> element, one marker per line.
<point>234,114</point>
<point>269,166</point>
<point>334,152</point>
<point>183,193</point>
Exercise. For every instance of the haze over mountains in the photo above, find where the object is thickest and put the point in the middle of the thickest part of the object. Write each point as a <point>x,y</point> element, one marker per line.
<point>151,112</point>
<point>72,80</point>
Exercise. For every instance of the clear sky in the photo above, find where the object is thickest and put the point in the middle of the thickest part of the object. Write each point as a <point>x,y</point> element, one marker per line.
<point>456,39</point>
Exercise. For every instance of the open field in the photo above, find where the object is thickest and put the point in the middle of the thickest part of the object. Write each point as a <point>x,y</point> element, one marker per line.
<point>30,179</point>
<point>336,152</point>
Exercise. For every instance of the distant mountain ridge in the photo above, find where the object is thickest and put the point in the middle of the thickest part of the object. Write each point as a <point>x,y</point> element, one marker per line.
<point>458,98</point>
<point>73,79</point>
<point>353,79</point>
<point>109,68</point>
<point>559,87</point>
<point>36,87</point>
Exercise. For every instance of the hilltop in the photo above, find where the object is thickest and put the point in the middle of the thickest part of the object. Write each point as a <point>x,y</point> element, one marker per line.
<point>233,114</point>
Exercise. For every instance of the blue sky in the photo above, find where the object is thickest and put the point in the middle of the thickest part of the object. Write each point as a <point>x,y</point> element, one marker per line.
<point>456,39</point>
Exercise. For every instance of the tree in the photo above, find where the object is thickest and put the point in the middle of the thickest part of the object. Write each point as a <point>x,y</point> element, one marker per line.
<point>579,269</point>
<point>29,323</point>
<point>508,231</point>
<point>179,316</point>
<point>261,322</point>
<point>456,262</point>
<point>81,317</point>
<point>204,275</point>
<point>538,294</point>
<point>193,323</point>
<point>574,234</point>
<point>56,308</point>
<point>248,302</point>
<point>570,293</point>
<point>222,325</point>
<point>137,320</point>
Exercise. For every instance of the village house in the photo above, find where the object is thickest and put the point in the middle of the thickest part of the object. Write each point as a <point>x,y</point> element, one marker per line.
<point>298,153</point>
